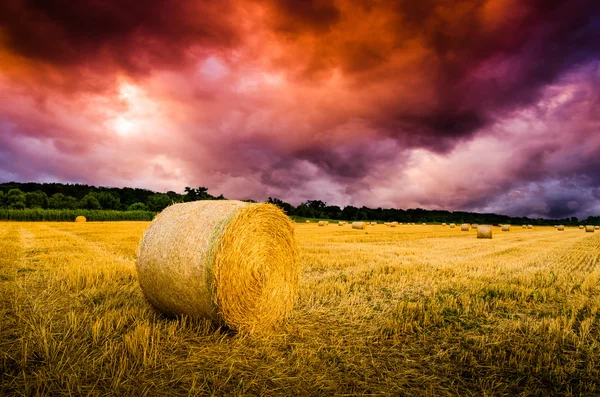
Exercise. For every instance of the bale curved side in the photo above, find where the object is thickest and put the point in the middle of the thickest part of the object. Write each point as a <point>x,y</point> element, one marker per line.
<point>81,218</point>
<point>464,227</point>
<point>484,231</point>
<point>452,225</point>
<point>230,261</point>
<point>506,228</point>
<point>589,229</point>
<point>560,228</point>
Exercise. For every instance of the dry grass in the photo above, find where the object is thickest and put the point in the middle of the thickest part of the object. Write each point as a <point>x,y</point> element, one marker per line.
<point>408,311</point>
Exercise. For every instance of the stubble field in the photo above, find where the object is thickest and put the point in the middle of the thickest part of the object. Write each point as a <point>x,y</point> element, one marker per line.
<point>412,310</point>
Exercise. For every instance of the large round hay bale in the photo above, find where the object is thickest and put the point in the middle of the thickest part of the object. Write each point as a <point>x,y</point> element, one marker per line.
<point>484,231</point>
<point>560,228</point>
<point>464,227</point>
<point>341,223</point>
<point>597,228</point>
<point>452,225</point>
<point>373,223</point>
<point>444,224</point>
<point>81,218</point>
<point>359,225</point>
<point>230,261</point>
<point>524,226</point>
<point>474,226</point>
<point>506,228</point>
<point>307,221</point>
<point>529,226</point>
<point>322,223</point>
<point>589,229</point>
<point>581,226</point>
<point>393,224</point>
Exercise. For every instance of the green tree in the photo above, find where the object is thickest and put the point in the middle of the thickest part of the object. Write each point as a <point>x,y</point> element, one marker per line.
<point>2,199</point>
<point>108,201</point>
<point>90,202</point>
<point>37,199</point>
<point>158,202</point>
<point>61,202</point>
<point>137,207</point>
<point>15,199</point>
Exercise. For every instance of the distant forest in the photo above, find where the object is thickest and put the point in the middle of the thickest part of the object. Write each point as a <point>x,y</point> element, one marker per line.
<point>59,196</point>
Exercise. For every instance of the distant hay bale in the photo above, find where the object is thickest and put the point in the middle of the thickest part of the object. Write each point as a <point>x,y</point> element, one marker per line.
<point>81,218</point>
<point>307,221</point>
<point>484,231</point>
<point>359,225</point>
<point>555,226</point>
<point>230,261</point>
<point>597,228</point>
<point>341,223</point>
<point>464,227</point>
<point>444,224</point>
<point>524,226</point>
<point>393,224</point>
<point>322,223</point>
<point>452,225</point>
<point>561,228</point>
<point>424,224</point>
<point>474,226</point>
<point>581,226</point>
<point>589,229</point>
<point>373,223</point>
<point>506,228</point>
<point>529,226</point>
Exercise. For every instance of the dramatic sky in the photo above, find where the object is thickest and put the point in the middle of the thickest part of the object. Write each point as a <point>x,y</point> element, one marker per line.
<point>483,105</point>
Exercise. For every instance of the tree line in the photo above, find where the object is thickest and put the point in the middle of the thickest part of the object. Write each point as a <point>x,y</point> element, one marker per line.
<point>58,196</point>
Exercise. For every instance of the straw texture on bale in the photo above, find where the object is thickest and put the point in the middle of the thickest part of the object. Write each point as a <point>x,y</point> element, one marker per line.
<point>81,218</point>
<point>359,225</point>
<point>464,227</point>
<point>452,225</point>
<point>230,261</point>
<point>322,223</point>
<point>560,228</point>
<point>484,231</point>
<point>529,226</point>
<point>589,229</point>
<point>506,228</point>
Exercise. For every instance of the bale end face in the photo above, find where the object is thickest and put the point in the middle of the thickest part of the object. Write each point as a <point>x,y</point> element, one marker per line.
<point>230,261</point>
<point>322,223</point>
<point>81,218</point>
<point>484,231</point>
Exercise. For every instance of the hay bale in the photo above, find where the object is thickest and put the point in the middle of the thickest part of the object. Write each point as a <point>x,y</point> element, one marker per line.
<point>560,228</point>
<point>444,224</point>
<point>359,225</point>
<point>474,226</point>
<point>230,261</point>
<point>581,226</point>
<point>452,225</point>
<point>555,226</point>
<point>464,227</point>
<point>506,228</point>
<point>393,224</point>
<point>484,231</point>
<point>322,223</point>
<point>424,224</point>
<point>373,223</point>
<point>81,218</point>
<point>341,223</point>
<point>529,226</point>
<point>589,229</point>
<point>524,226</point>
<point>597,228</point>
<point>307,221</point>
